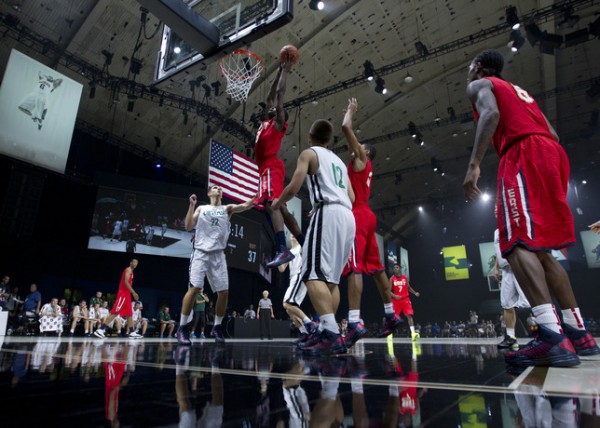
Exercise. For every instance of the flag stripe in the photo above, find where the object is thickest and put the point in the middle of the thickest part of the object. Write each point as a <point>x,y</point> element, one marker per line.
<point>235,173</point>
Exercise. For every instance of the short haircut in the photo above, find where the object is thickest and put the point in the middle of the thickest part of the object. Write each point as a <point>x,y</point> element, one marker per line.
<point>492,62</point>
<point>372,150</point>
<point>321,131</point>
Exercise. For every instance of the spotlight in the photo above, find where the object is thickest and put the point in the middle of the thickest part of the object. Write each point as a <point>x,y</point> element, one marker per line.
<point>421,48</point>
<point>408,78</point>
<point>380,86</point>
<point>517,40</point>
<point>412,129</point>
<point>420,208</point>
<point>158,165</point>
<point>485,197</point>
<point>177,49</point>
<point>316,5</point>
<point>369,70</point>
<point>512,18</point>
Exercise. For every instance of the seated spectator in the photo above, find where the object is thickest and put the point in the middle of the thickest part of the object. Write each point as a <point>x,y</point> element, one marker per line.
<point>4,292</point>
<point>250,313</point>
<point>435,329</point>
<point>116,324</point>
<point>343,327</point>
<point>164,318</point>
<point>140,324</point>
<point>80,313</point>
<point>13,305</point>
<point>64,309</point>
<point>96,299</point>
<point>94,317</point>
<point>33,301</point>
<point>51,317</point>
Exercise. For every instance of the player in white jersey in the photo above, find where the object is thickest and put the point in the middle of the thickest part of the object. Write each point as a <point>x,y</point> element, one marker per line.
<point>212,226</point>
<point>326,249</point>
<point>296,292</point>
<point>511,295</point>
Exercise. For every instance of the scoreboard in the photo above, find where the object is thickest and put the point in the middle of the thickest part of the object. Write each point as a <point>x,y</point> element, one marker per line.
<point>245,248</point>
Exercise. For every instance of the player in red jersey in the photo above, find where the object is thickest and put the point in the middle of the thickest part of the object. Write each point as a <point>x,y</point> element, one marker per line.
<point>400,297</point>
<point>364,256</point>
<point>533,214</point>
<point>122,304</point>
<point>271,168</point>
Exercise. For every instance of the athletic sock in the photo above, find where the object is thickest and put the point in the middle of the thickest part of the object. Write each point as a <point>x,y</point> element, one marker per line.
<point>510,332</point>
<point>303,330</point>
<point>306,320</point>
<point>218,320</point>
<point>328,322</point>
<point>184,319</point>
<point>300,239</point>
<point>280,236</point>
<point>388,308</point>
<point>546,315</point>
<point>354,315</point>
<point>572,317</point>
<point>412,329</point>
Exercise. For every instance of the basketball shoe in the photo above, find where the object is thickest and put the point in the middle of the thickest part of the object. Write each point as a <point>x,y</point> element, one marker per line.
<point>415,336</point>
<point>508,342</point>
<point>328,342</point>
<point>392,322</point>
<point>355,332</point>
<point>547,349</point>
<point>282,256</point>
<point>583,342</point>
<point>217,333</point>
<point>183,336</point>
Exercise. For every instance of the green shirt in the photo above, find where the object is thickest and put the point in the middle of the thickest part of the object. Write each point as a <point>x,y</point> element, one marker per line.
<point>200,302</point>
<point>95,300</point>
<point>164,316</point>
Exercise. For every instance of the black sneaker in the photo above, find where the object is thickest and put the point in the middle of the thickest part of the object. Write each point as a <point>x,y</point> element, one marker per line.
<point>583,342</point>
<point>508,342</point>
<point>391,324</point>
<point>356,331</point>
<point>217,333</point>
<point>548,349</point>
<point>183,336</point>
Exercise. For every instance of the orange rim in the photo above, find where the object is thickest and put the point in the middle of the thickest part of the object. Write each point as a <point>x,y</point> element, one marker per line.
<point>241,52</point>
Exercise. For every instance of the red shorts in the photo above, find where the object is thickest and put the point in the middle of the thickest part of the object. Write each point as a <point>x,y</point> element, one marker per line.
<point>364,254</point>
<point>408,394</point>
<point>533,178</point>
<point>122,304</point>
<point>270,183</point>
<point>404,306</point>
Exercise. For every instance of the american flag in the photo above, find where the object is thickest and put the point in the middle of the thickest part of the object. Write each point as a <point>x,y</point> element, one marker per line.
<point>235,173</point>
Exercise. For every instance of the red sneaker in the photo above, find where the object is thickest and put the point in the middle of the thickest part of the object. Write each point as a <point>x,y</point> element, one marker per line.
<point>356,331</point>
<point>583,342</point>
<point>548,349</point>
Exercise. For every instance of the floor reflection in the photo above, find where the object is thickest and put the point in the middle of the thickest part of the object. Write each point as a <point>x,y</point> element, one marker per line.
<point>397,383</point>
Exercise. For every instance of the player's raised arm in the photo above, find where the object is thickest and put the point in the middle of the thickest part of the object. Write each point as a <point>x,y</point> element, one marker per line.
<point>284,68</point>
<point>302,167</point>
<point>354,147</point>
<point>192,214</point>
<point>240,208</point>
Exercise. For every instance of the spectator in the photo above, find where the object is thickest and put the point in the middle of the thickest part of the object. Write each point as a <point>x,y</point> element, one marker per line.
<point>51,317</point>
<point>199,313</point>
<point>140,324</point>
<point>80,313</point>
<point>33,301</point>
<point>265,313</point>
<point>250,313</point>
<point>4,292</point>
<point>64,309</point>
<point>96,299</point>
<point>164,318</point>
<point>94,316</point>
<point>130,246</point>
<point>435,329</point>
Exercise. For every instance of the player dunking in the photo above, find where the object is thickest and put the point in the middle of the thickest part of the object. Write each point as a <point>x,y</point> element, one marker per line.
<point>271,168</point>
<point>364,257</point>
<point>123,306</point>
<point>212,226</point>
<point>401,300</point>
<point>326,250</point>
<point>533,214</point>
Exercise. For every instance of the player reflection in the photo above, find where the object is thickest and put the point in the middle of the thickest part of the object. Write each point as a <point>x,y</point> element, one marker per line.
<point>186,381</point>
<point>116,373</point>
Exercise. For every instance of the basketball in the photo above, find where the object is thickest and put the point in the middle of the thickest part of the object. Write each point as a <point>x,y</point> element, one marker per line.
<point>289,53</point>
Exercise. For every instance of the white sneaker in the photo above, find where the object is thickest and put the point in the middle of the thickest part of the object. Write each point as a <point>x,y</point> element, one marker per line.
<point>134,335</point>
<point>100,333</point>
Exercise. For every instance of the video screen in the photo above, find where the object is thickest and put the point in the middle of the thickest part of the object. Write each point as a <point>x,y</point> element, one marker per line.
<point>38,108</point>
<point>145,223</point>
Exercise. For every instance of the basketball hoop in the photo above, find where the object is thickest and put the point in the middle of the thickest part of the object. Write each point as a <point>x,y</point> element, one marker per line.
<point>240,68</point>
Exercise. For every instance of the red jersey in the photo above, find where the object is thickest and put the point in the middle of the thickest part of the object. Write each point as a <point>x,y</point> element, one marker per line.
<point>408,395</point>
<point>361,183</point>
<point>400,286</point>
<point>122,286</point>
<point>267,143</point>
<point>520,115</point>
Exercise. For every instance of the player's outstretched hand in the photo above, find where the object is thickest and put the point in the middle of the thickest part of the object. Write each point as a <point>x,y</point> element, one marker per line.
<point>595,227</point>
<point>193,199</point>
<point>470,188</point>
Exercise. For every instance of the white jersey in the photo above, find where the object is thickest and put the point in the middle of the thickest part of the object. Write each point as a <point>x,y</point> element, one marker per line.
<point>330,184</point>
<point>502,262</point>
<point>296,263</point>
<point>212,228</point>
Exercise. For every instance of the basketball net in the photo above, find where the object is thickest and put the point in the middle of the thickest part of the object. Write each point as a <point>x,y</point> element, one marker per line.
<point>240,68</point>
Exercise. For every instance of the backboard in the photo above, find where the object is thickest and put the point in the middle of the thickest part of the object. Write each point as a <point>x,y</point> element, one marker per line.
<point>236,23</point>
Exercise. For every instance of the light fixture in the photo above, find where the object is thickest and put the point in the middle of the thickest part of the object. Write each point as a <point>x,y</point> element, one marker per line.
<point>569,20</point>
<point>533,32</point>
<point>158,165</point>
<point>583,181</point>
<point>512,18</point>
<point>451,113</point>
<point>177,49</point>
<point>316,5</point>
<point>485,197</point>
<point>408,78</point>
<point>387,158</point>
<point>380,86</point>
<point>517,40</point>
<point>420,208</point>
<point>412,129</point>
<point>421,48</point>
<point>369,70</point>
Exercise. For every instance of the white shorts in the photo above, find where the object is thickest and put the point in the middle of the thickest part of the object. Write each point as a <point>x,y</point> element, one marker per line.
<point>213,265</point>
<point>212,416</point>
<point>326,248</point>
<point>511,295</point>
<point>296,291</point>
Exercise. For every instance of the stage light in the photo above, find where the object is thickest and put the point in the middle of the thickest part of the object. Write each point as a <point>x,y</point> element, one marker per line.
<point>316,5</point>
<point>533,32</point>
<point>380,86</point>
<point>412,129</point>
<point>408,78</point>
<point>421,48</point>
<point>517,40</point>
<point>158,165</point>
<point>420,208</point>
<point>177,49</point>
<point>369,70</point>
<point>512,18</point>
